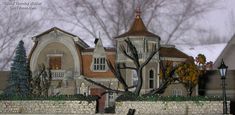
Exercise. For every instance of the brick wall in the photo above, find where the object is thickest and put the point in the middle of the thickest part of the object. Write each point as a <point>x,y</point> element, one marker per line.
<point>171,107</point>
<point>47,107</point>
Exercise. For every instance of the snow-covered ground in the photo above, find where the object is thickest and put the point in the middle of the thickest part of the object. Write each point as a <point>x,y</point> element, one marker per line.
<point>211,51</point>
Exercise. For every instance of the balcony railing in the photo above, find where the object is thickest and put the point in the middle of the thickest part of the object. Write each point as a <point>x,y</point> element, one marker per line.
<point>57,74</point>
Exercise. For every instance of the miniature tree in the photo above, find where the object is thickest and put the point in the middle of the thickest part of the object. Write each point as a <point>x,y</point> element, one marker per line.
<point>19,74</point>
<point>201,60</point>
<point>117,67</point>
<point>188,74</point>
<point>40,83</point>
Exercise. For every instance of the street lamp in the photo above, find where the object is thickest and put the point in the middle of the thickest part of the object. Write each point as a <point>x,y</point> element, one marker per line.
<point>223,71</point>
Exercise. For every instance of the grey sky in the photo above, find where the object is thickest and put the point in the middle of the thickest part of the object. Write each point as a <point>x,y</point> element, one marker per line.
<point>219,19</point>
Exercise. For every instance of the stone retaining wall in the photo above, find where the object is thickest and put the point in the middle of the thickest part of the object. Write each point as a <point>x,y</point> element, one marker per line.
<point>172,107</point>
<point>48,107</point>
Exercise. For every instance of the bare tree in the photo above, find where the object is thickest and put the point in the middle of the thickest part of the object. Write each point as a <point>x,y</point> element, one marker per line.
<point>15,25</point>
<point>138,67</point>
<point>170,19</point>
<point>41,82</point>
<point>231,24</point>
<point>209,36</point>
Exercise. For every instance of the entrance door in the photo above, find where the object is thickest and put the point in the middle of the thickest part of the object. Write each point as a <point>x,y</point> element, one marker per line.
<point>101,101</point>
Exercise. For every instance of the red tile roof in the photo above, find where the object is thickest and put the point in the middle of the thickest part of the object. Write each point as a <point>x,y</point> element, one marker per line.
<point>138,29</point>
<point>56,28</point>
<point>172,52</point>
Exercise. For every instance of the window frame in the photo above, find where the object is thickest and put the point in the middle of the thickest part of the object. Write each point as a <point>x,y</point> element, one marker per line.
<point>177,92</point>
<point>55,55</point>
<point>99,64</point>
<point>151,79</point>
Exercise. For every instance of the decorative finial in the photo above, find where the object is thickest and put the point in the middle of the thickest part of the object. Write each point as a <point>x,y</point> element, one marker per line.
<point>137,12</point>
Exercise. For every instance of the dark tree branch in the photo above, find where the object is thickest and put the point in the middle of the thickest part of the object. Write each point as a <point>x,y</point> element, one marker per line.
<point>128,68</point>
<point>133,52</point>
<point>117,74</point>
<point>161,88</point>
<point>150,57</point>
<point>104,87</point>
<point>122,49</point>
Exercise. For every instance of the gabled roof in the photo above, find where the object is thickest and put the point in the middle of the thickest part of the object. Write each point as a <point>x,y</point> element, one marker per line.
<point>172,52</point>
<point>138,29</point>
<point>52,29</point>
<point>227,55</point>
<point>211,51</point>
<point>56,28</point>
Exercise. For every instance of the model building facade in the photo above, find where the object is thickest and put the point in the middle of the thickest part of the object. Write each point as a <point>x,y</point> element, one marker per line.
<point>71,60</point>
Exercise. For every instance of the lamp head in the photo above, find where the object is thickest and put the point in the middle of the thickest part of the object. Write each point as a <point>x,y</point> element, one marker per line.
<point>223,69</point>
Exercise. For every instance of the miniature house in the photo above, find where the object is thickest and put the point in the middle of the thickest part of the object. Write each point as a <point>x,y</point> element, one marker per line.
<point>71,60</point>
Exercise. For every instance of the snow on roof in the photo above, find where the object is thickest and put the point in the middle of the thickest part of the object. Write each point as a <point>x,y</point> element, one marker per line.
<point>211,51</point>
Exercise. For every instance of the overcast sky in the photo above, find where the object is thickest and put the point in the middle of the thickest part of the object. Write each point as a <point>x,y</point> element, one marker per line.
<point>219,19</point>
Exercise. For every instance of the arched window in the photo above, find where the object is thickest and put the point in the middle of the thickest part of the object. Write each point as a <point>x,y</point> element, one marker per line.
<point>151,79</point>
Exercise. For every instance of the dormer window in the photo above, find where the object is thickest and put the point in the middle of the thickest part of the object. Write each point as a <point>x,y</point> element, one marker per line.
<point>99,64</point>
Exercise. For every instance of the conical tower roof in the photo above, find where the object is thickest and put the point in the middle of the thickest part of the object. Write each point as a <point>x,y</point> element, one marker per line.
<point>138,28</point>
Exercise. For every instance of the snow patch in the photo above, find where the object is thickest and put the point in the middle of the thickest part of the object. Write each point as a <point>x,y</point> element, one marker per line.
<point>211,51</point>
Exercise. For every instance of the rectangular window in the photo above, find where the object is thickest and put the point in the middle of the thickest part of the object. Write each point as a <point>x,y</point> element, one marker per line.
<point>99,63</point>
<point>177,92</point>
<point>151,79</point>
<point>151,83</point>
<point>151,47</point>
<point>55,62</point>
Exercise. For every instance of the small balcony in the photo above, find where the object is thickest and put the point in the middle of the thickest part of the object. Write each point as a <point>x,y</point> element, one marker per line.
<point>57,74</point>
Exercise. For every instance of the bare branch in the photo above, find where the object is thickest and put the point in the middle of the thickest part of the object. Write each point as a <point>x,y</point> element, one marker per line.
<point>123,50</point>
<point>134,52</point>
<point>104,87</point>
<point>117,74</point>
<point>150,57</point>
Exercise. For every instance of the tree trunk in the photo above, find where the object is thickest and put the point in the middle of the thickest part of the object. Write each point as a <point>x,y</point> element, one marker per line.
<point>140,82</point>
<point>189,91</point>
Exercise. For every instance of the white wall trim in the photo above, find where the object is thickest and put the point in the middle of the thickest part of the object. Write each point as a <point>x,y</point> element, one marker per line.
<point>57,54</point>
<point>69,43</point>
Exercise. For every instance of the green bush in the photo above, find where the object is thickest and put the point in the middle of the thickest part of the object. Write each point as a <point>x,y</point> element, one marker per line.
<point>133,97</point>
<point>59,97</point>
<point>109,109</point>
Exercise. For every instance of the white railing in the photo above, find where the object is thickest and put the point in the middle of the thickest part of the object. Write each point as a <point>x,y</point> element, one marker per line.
<point>57,74</point>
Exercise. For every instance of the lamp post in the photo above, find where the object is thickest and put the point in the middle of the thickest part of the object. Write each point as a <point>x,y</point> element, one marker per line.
<point>223,71</point>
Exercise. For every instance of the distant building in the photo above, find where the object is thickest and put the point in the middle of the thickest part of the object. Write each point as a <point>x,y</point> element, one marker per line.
<point>212,78</point>
<point>3,80</point>
<point>210,83</point>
